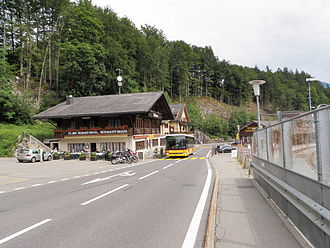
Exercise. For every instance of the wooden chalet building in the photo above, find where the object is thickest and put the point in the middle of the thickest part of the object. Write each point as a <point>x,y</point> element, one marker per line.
<point>181,121</point>
<point>109,123</point>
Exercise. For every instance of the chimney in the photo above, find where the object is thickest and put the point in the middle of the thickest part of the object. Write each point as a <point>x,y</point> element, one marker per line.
<point>69,99</point>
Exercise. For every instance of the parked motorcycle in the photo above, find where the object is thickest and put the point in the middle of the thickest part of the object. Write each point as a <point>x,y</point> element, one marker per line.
<point>132,156</point>
<point>120,157</point>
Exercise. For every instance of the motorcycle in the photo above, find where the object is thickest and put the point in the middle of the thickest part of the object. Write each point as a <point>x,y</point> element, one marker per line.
<point>132,156</point>
<point>120,157</point>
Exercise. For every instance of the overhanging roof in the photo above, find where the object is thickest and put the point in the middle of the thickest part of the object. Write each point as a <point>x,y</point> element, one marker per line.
<point>108,105</point>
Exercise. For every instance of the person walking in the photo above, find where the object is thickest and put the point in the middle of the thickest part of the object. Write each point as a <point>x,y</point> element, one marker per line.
<point>41,152</point>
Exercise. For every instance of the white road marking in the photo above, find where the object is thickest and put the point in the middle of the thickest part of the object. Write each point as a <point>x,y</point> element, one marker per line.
<point>148,175</point>
<point>20,188</point>
<point>52,182</point>
<point>191,235</point>
<point>1,192</point>
<point>77,176</point>
<point>24,231</point>
<point>198,151</point>
<point>95,173</point>
<point>99,197</point>
<point>167,166</point>
<point>178,161</point>
<point>86,175</point>
<point>123,174</point>
<point>65,179</point>
<point>36,185</point>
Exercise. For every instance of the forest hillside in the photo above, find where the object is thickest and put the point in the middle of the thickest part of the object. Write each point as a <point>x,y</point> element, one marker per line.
<point>51,49</point>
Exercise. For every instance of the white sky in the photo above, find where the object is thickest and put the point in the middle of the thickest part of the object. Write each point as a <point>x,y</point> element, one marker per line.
<point>277,33</point>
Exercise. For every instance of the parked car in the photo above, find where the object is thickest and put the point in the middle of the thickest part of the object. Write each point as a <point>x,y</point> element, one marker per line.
<point>219,147</point>
<point>226,149</point>
<point>32,155</point>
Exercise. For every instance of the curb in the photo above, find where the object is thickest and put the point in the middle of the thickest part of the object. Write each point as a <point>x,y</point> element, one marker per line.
<point>210,232</point>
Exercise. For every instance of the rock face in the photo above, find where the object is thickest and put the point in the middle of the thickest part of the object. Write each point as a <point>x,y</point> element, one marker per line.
<point>202,138</point>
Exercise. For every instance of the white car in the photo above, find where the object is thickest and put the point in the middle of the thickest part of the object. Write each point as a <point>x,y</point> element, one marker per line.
<point>32,155</point>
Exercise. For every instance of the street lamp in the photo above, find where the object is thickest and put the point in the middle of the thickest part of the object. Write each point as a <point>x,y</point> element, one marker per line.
<point>119,80</point>
<point>256,89</point>
<point>309,80</point>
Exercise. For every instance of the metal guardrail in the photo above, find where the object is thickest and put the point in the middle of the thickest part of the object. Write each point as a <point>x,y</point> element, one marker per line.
<point>291,163</point>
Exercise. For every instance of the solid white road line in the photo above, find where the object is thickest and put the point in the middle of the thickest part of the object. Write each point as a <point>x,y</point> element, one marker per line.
<point>24,231</point>
<point>167,166</point>
<point>148,175</point>
<point>108,193</point>
<point>191,235</point>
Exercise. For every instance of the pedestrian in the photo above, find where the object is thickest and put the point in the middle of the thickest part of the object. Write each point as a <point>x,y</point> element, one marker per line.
<point>41,152</point>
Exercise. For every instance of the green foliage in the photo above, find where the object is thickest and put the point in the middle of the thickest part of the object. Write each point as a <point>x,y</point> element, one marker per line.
<point>215,126</point>
<point>195,115</point>
<point>9,134</point>
<point>239,117</point>
<point>75,48</point>
<point>14,108</point>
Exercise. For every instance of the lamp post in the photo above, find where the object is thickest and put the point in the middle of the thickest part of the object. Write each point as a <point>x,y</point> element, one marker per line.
<point>256,89</point>
<point>119,80</point>
<point>309,80</point>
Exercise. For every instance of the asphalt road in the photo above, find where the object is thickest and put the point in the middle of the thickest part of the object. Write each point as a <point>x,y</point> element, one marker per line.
<point>163,203</point>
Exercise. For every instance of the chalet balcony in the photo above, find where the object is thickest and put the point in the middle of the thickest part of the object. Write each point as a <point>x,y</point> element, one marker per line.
<point>104,131</point>
<point>93,131</point>
<point>146,131</point>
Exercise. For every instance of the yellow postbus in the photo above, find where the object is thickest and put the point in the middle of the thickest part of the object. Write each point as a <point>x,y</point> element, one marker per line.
<point>180,145</point>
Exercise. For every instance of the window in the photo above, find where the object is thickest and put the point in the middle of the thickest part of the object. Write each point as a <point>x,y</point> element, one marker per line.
<point>73,124</point>
<point>155,142</point>
<point>117,123</point>
<point>140,145</point>
<point>113,146</point>
<point>76,147</point>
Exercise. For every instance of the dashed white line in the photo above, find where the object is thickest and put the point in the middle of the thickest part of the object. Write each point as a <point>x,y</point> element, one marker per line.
<point>65,179</point>
<point>165,167</point>
<point>1,192</point>
<point>86,175</point>
<point>20,188</point>
<point>24,231</point>
<point>95,173</point>
<point>36,185</point>
<point>77,176</point>
<point>96,198</point>
<point>178,161</point>
<point>148,175</point>
<point>51,182</point>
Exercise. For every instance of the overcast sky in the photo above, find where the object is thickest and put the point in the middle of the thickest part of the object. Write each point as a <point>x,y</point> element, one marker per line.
<point>277,33</point>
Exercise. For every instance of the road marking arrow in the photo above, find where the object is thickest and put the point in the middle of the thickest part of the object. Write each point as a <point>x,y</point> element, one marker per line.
<point>123,174</point>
